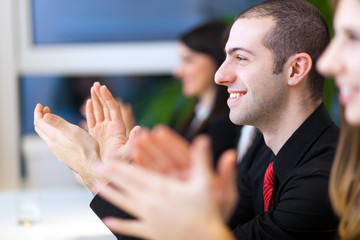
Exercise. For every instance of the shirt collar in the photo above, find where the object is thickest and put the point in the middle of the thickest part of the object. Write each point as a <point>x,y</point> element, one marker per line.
<point>201,112</point>
<point>302,139</point>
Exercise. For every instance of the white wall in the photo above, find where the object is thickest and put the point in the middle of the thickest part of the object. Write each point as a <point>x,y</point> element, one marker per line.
<point>19,57</point>
<point>9,110</point>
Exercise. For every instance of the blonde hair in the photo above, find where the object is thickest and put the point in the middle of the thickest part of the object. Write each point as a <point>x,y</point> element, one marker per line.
<point>345,181</point>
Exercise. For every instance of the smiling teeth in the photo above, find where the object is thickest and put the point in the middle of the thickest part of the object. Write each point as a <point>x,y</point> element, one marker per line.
<point>236,95</point>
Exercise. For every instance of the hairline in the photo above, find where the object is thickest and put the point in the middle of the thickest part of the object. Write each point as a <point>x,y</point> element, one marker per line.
<point>255,15</point>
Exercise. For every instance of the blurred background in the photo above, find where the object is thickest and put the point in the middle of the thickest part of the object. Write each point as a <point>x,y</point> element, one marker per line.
<point>52,51</point>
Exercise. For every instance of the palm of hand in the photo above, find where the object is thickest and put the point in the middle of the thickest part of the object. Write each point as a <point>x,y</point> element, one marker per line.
<point>111,137</point>
<point>76,149</point>
<point>70,144</point>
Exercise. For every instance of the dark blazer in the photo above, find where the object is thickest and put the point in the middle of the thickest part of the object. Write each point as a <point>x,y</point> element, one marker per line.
<point>301,206</point>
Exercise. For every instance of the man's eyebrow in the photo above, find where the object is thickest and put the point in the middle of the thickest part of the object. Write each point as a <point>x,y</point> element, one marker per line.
<point>232,50</point>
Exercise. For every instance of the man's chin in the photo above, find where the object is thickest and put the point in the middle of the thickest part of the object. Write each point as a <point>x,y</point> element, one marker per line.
<point>235,119</point>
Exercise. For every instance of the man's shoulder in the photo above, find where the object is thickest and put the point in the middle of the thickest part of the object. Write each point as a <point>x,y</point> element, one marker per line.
<point>324,148</point>
<point>320,156</point>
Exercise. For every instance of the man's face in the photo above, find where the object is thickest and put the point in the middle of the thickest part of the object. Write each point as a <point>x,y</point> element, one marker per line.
<point>256,95</point>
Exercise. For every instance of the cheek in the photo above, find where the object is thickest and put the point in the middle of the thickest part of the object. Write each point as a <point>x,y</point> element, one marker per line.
<point>203,82</point>
<point>355,70</point>
<point>204,76</point>
<point>352,108</point>
<point>352,62</point>
<point>270,91</point>
<point>192,83</point>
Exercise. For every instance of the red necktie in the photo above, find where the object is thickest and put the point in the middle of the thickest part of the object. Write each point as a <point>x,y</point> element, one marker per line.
<point>268,189</point>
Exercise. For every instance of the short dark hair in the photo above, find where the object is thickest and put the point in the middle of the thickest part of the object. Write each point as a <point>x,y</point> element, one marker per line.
<point>299,27</point>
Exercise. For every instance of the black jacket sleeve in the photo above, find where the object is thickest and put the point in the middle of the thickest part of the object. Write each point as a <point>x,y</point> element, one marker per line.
<point>103,208</point>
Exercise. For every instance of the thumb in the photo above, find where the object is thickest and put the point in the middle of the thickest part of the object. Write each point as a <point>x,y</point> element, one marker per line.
<point>54,120</point>
<point>127,151</point>
<point>134,132</point>
<point>227,168</point>
<point>227,193</point>
<point>201,157</point>
<point>64,128</point>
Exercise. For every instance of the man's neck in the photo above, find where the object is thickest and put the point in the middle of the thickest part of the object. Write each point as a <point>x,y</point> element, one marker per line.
<point>280,131</point>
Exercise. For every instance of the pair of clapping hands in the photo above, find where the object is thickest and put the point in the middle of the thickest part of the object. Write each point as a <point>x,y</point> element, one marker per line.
<point>169,185</point>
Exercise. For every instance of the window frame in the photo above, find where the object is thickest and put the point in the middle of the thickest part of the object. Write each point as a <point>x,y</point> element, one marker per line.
<point>128,58</point>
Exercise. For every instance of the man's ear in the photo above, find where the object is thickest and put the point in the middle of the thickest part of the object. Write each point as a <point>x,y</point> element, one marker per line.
<point>298,68</point>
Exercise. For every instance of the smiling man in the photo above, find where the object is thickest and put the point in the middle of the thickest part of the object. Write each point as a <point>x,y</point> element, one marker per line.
<point>271,51</point>
<point>272,85</point>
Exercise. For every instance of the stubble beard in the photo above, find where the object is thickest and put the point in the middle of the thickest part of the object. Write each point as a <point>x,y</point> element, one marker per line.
<point>261,113</point>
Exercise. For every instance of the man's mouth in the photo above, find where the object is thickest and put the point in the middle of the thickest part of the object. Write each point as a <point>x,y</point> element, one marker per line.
<point>236,95</point>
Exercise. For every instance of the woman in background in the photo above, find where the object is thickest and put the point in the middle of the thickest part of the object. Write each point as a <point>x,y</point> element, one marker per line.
<point>201,52</point>
<point>341,60</point>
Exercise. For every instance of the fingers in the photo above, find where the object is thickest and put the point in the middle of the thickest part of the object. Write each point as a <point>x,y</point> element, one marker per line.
<point>124,176</point>
<point>126,152</point>
<point>149,154</point>
<point>90,117</point>
<point>106,110</point>
<point>97,106</point>
<point>129,185</point>
<point>46,110</point>
<point>49,134</point>
<point>134,132</point>
<point>133,228</point>
<point>201,156</point>
<point>118,198</point>
<point>39,126</point>
<point>45,124</point>
<point>223,184</point>
<point>110,105</point>
<point>38,113</point>
<point>103,106</point>
<point>226,171</point>
<point>57,122</point>
<point>167,139</point>
<point>227,167</point>
<point>227,193</point>
<point>161,150</point>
